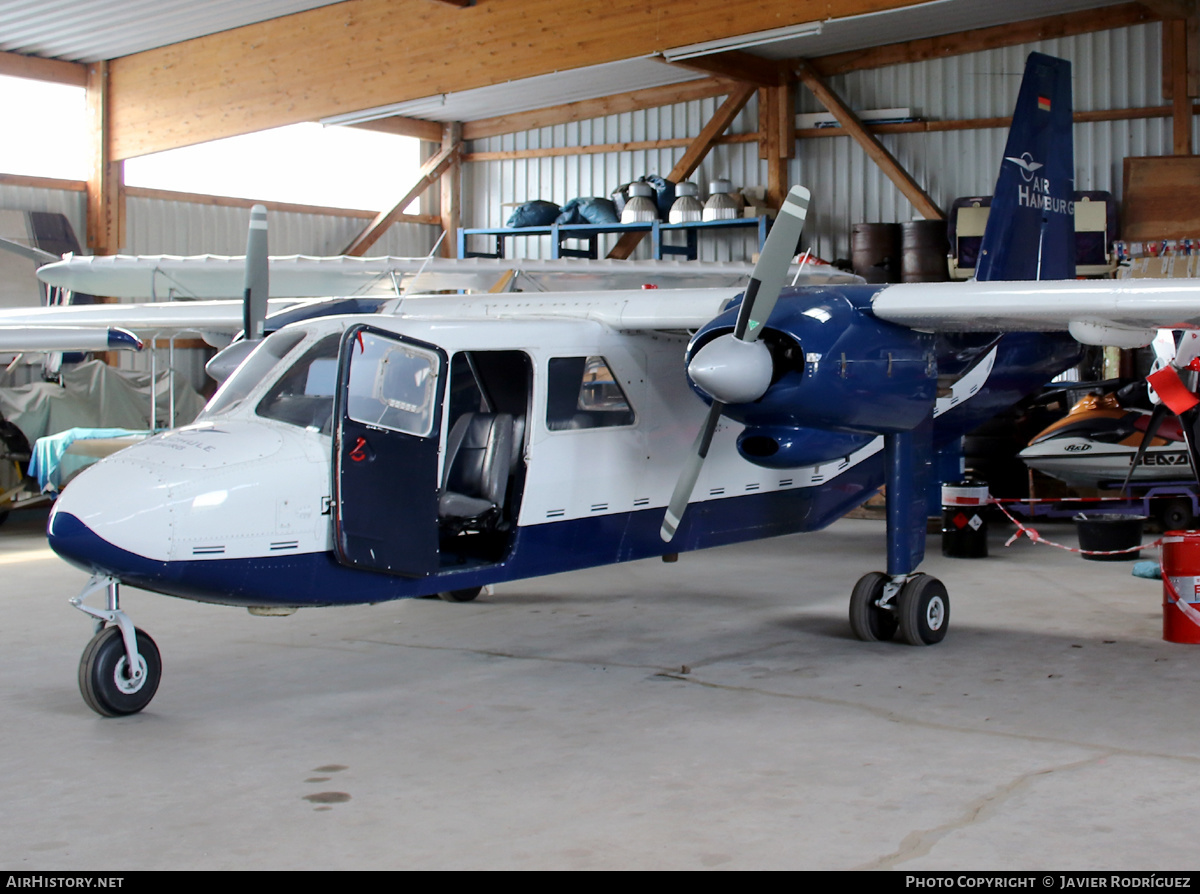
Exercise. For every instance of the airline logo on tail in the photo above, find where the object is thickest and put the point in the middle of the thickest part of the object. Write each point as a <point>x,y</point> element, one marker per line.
<point>1037,193</point>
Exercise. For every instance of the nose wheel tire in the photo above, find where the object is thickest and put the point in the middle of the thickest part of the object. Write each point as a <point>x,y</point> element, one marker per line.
<point>466,594</point>
<point>869,622</point>
<point>106,680</point>
<point>924,611</point>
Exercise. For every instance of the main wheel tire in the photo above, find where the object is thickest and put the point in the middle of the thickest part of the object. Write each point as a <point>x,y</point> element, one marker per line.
<point>869,622</point>
<point>923,607</point>
<point>1176,514</point>
<point>104,678</point>
<point>467,594</point>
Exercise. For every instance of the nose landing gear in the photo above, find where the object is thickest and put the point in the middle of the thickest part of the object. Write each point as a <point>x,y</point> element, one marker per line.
<point>120,668</point>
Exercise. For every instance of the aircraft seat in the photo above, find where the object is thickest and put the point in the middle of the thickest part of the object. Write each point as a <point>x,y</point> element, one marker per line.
<point>479,456</point>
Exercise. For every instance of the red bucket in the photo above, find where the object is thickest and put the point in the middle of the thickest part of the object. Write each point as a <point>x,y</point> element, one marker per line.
<point>1181,586</point>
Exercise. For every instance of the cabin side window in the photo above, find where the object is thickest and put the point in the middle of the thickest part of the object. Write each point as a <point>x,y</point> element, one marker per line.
<point>392,385</point>
<point>303,396</point>
<point>582,392</point>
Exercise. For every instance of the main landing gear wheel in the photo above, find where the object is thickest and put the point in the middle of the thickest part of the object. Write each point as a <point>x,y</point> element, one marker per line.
<point>466,594</point>
<point>924,611</point>
<point>105,678</point>
<point>1176,515</point>
<point>869,622</point>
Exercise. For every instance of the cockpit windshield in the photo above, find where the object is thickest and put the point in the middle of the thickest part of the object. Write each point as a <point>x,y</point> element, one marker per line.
<point>304,394</point>
<point>253,370</point>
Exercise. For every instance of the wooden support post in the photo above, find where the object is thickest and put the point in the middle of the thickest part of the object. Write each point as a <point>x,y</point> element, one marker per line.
<point>105,193</point>
<point>430,172</point>
<point>451,191</point>
<point>777,140</point>
<point>693,155</point>
<point>1175,83</point>
<point>871,145</point>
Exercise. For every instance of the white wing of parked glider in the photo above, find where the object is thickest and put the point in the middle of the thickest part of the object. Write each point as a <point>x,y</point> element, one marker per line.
<point>212,276</point>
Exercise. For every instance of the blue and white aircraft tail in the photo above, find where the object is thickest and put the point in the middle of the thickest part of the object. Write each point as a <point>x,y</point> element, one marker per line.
<point>454,443</point>
<point>1031,228</point>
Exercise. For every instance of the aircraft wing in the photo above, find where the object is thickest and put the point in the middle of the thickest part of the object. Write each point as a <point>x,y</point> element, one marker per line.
<point>299,276</point>
<point>16,339</point>
<point>37,328</point>
<point>1089,309</point>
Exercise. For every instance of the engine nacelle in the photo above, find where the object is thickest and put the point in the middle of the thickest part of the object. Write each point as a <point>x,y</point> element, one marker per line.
<point>784,447</point>
<point>836,367</point>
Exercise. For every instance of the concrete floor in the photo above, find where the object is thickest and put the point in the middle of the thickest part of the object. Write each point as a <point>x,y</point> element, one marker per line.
<point>714,714</point>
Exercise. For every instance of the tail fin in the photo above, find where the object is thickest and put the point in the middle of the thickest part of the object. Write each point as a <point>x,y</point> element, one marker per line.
<point>1030,231</point>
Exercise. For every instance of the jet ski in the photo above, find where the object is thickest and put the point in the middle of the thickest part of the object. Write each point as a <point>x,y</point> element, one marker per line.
<point>1095,443</point>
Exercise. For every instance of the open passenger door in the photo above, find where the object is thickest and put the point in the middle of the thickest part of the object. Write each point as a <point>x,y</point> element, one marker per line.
<point>385,469</point>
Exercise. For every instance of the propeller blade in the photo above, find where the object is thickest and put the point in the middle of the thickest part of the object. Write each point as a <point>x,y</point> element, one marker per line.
<point>762,293</point>
<point>691,471</point>
<point>257,285</point>
<point>1156,417</point>
<point>771,270</point>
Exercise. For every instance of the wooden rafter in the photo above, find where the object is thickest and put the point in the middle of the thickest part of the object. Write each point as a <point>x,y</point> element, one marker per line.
<point>974,40</point>
<point>583,110</point>
<point>693,155</point>
<point>430,171</point>
<point>405,127</point>
<point>16,65</point>
<point>737,66</point>
<point>869,142</point>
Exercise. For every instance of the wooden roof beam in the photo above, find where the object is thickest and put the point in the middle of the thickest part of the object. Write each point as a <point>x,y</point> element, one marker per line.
<point>736,65</point>
<point>363,54</point>
<point>870,143</point>
<point>405,127</point>
<point>16,65</point>
<point>429,173</point>
<point>583,110</point>
<point>693,155</point>
<point>975,40</point>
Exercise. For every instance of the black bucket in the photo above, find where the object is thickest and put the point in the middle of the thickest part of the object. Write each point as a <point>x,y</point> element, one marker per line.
<point>1104,533</point>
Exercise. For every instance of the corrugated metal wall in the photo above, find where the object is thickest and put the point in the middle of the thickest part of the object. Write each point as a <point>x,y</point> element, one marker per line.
<point>1112,70</point>
<point>161,226</point>
<point>70,203</point>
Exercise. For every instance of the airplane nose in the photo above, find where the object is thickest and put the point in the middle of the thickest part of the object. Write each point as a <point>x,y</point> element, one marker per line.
<point>112,512</point>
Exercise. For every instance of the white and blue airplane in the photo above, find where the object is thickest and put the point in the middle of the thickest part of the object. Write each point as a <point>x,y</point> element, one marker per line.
<point>452,444</point>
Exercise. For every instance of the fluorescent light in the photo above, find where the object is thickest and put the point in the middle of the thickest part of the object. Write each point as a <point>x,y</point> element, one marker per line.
<point>745,41</point>
<point>412,108</point>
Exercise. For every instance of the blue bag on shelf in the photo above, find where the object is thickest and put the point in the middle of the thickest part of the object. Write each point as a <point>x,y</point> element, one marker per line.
<point>537,213</point>
<point>591,210</point>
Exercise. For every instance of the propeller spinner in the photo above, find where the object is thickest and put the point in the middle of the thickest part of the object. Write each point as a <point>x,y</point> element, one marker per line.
<point>736,368</point>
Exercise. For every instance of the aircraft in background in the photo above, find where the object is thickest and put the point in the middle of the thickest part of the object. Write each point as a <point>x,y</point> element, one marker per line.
<point>447,445</point>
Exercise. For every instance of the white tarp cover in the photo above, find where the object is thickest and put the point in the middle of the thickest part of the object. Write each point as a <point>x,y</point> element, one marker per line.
<point>95,395</point>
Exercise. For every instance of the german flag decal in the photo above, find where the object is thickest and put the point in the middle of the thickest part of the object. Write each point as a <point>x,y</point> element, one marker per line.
<point>1043,104</point>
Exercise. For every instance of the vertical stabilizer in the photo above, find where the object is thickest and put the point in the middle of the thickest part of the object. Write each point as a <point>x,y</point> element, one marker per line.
<point>1031,226</point>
